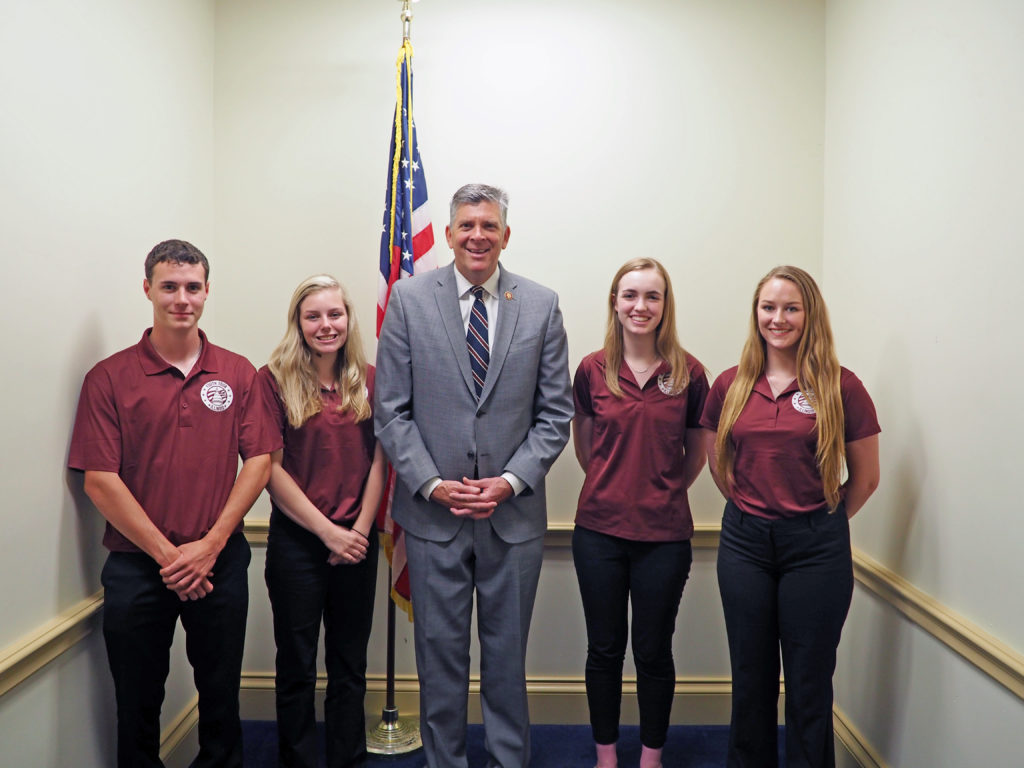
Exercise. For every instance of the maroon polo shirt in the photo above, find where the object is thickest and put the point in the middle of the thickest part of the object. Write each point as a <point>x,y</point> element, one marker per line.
<point>634,480</point>
<point>329,456</point>
<point>173,439</point>
<point>775,438</point>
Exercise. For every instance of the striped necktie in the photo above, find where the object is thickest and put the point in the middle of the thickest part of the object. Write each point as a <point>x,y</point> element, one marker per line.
<point>476,339</point>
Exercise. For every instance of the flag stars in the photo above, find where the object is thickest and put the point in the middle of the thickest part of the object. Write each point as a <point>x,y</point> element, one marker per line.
<point>405,163</point>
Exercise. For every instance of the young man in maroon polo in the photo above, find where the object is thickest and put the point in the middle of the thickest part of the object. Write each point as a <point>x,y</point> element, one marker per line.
<point>159,430</point>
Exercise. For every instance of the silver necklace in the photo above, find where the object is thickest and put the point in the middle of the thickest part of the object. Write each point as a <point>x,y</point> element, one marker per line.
<point>641,370</point>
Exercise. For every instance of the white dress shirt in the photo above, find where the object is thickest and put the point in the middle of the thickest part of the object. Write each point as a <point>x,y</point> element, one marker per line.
<point>466,299</point>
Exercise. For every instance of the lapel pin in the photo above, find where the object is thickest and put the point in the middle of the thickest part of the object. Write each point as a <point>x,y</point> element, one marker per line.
<point>508,295</point>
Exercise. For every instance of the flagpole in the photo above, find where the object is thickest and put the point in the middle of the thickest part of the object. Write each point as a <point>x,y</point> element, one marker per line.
<point>394,735</point>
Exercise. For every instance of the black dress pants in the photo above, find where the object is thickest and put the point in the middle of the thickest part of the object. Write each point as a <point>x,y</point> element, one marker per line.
<point>784,584</point>
<point>139,616</point>
<point>305,590</point>
<point>612,573</point>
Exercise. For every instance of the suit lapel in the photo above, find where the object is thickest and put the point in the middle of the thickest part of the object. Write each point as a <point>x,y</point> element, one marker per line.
<point>508,317</point>
<point>447,299</point>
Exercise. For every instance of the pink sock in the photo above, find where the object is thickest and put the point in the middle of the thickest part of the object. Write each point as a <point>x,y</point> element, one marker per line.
<point>650,758</point>
<point>606,756</point>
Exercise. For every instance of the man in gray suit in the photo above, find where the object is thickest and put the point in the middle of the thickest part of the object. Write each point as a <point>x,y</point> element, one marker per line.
<point>473,405</point>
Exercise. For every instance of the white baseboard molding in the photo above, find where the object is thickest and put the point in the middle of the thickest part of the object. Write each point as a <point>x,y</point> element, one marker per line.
<point>25,657</point>
<point>179,742</point>
<point>852,749</point>
<point>995,658</point>
<point>699,701</point>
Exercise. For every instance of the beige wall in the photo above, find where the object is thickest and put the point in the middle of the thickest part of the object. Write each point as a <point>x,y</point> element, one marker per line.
<point>689,131</point>
<point>698,131</point>
<point>923,233</point>
<point>106,146</point>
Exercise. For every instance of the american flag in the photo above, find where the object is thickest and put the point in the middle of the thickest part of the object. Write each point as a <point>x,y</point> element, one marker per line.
<point>406,248</point>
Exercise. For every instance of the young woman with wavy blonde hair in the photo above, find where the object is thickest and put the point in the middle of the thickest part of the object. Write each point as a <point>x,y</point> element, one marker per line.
<point>325,486</point>
<point>296,365</point>
<point>638,438</point>
<point>782,425</point>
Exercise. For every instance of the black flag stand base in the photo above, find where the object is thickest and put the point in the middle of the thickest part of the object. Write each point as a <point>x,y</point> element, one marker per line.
<point>393,735</point>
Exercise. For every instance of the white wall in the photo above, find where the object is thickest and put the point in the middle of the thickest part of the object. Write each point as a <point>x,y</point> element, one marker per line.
<point>691,131</point>
<point>106,147</point>
<point>922,269</point>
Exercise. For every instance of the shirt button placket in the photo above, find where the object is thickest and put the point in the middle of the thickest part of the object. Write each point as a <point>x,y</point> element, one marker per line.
<point>184,415</point>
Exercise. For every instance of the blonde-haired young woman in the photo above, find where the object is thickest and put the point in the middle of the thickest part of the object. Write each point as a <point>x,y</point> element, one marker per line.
<point>325,486</point>
<point>782,425</point>
<point>638,438</point>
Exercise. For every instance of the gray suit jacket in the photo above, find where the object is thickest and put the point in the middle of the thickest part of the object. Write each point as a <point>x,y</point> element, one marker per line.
<point>427,416</point>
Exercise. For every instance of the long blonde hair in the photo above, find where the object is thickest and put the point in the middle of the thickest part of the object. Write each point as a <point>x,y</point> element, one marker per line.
<point>291,362</point>
<point>666,342</point>
<point>817,376</point>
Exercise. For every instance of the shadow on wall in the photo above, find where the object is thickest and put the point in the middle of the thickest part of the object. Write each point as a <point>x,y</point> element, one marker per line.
<point>81,534</point>
<point>83,672</point>
<point>81,553</point>
<point>904,467</point>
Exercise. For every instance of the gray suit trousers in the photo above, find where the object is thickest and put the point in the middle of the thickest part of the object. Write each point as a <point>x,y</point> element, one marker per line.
<point>442,577</point>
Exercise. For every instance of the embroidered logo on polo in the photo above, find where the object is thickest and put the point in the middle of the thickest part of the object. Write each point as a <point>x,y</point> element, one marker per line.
<point>801,403</point>
<point>216,395</point>
<point>665,384</point>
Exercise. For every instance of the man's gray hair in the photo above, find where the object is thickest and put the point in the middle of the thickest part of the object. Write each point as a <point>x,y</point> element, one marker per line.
<point>471,194</point>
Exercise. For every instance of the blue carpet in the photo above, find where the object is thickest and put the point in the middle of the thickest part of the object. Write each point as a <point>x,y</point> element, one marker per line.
<point>553,746</point>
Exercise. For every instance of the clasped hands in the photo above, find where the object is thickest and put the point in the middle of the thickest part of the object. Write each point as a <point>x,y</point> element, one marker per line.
<point>475,499</point>
<point>189,575</point>
<point>347,546</point>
